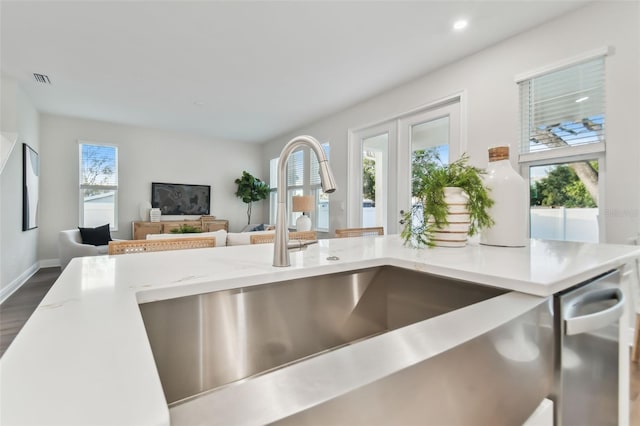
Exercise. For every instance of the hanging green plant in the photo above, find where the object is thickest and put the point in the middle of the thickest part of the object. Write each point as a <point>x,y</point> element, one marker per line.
<point>429,214</point>
<point>250,190</point>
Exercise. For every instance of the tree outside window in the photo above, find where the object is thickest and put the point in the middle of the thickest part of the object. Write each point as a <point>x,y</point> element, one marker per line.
<point>98,185</point>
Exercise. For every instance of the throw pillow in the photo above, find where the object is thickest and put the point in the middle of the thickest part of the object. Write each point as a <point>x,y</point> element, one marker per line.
<point>258,228</point>
<point>99,236</point>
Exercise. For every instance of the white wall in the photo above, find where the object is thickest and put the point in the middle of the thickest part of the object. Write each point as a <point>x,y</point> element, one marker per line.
<point>145,156</point>
<point>18,249</point>
<point>492,102</point>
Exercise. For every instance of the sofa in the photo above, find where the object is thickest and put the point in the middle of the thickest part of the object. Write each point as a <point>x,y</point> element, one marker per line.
<point>70,246</point>
<point>223,238</point>
<point>70,242</point>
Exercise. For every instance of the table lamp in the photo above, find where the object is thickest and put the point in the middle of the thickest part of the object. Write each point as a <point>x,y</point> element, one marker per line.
<point>304,204</point>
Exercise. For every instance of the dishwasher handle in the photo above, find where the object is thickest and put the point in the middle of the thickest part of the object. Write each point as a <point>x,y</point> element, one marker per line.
<point>585,323</point>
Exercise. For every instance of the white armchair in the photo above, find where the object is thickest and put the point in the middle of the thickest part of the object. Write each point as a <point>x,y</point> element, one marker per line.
<point>70,246</point>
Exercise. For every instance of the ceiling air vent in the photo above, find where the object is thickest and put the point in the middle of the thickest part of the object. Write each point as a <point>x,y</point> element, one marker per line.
<point>41,78</point>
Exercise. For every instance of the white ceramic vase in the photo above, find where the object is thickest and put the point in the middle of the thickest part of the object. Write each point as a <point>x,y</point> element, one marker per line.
<point>456,233</point>
<point>510,194</point>
<point>154,215</point>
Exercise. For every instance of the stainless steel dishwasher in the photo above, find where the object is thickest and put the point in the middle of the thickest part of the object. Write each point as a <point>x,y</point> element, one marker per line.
<point>587,352</point>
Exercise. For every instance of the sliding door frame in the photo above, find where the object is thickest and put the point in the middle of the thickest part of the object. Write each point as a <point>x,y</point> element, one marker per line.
<point>354,172</point>
<point>399,158</point>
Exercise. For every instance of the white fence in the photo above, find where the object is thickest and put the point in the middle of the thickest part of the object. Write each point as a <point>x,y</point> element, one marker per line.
<point>97,214</point>
<point>565,224</point>
<point>546,223</point>
<point>369,217</point>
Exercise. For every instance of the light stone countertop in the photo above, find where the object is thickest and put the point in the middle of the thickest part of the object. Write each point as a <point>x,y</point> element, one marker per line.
<point>83,358</point>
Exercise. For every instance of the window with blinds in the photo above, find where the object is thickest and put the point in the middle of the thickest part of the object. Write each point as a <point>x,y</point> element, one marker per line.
<point>98,185</point>
<point>563,147</point>
<point>303,177</point>
<point>295,169</point>
<point>315,166</point>
<point>564,108</point>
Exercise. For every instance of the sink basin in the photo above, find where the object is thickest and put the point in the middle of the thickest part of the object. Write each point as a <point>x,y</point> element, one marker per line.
<point>206,341</point>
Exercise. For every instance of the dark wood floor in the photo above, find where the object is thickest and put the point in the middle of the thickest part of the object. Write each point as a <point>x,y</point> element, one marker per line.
<point>17,309</point>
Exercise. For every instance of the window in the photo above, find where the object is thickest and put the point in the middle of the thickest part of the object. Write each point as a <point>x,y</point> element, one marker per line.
<point>562,149</point>
<point>98,185</point>
<point>303,177</point>
<point>563,109</point>
<point>564,201</point>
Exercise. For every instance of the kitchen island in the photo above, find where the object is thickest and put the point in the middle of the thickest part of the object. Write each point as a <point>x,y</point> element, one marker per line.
<point>84,356</point>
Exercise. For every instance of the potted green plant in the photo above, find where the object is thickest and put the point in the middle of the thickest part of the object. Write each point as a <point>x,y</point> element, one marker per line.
<point>186,229</point>
<point>450,201</point>
<point>251,189</point>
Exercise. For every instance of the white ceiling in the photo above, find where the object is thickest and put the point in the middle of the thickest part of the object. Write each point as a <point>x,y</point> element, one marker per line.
<point>242,71</point>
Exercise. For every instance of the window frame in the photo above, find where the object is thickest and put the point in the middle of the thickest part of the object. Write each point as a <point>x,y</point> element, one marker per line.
<point>556,155</point>
<point>568,154</point>
<point>354,172</point>
<point>602,176</point>
<point>398,127</point>
<point>82,187</point>
<point>313,189</point>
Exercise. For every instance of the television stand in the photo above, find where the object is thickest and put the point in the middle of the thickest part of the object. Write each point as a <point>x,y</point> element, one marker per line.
<point>140,229</point>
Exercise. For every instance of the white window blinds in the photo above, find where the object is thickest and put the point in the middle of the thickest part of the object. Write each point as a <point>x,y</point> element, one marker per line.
<point>303,177</point>
<point>295,169</point>
<point>315,166</point>
<point>564,108</point>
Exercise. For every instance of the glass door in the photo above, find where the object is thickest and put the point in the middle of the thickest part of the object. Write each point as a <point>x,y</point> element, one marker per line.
<point>381,159</point>
<point>436,130</point>
<point>371,174</point>
<point>375,171</point>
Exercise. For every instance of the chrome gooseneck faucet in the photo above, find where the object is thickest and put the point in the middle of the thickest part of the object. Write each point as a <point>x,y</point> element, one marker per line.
<point>280,251</point>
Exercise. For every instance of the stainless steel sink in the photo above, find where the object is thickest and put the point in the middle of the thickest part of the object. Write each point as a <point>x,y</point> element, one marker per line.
<point>206,341</point>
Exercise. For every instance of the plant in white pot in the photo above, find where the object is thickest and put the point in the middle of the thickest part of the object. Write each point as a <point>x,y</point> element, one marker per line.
<point>451,202</point>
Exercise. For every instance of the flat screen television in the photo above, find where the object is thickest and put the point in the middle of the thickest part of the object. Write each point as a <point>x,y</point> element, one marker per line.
<point>181,199</point>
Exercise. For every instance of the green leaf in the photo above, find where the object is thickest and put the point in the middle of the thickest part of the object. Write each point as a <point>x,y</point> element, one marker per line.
<point>186,229</point>
<point>251,189</point>
<point>430,175</point>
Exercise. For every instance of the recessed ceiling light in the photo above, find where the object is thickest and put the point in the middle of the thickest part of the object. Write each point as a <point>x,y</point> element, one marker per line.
<point>582,99</point>
<point>198,103</point>
<point>460,24</point>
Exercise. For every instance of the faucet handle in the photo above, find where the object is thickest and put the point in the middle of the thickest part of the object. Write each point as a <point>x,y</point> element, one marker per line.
<point>299,244</point>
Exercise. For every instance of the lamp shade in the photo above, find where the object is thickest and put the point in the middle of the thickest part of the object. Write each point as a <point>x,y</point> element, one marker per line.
<point>303,203</point>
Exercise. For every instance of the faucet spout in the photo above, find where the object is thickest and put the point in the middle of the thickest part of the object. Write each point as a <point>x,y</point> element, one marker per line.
<point>280,251</point>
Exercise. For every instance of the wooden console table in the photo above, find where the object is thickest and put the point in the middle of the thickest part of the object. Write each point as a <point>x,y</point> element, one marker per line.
<point>206,224</point>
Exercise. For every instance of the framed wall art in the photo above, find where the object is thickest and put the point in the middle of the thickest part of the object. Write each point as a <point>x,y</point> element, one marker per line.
<point>30,183</point>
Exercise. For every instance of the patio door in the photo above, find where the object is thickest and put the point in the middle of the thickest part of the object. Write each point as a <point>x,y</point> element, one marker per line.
<point>372,174</point>
<point>380,161</point>
<point>437,129</point>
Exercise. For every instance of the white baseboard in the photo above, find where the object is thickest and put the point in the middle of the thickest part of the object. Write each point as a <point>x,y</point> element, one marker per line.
<point>18,282</point>
<point>49,263</point>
